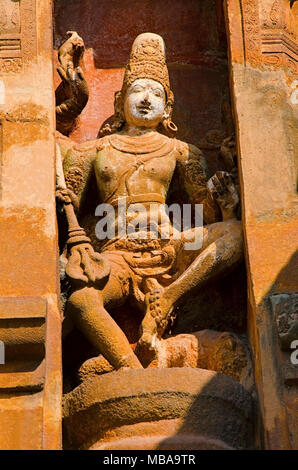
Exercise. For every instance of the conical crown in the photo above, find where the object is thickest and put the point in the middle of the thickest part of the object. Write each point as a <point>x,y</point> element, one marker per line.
<point>147,60</point>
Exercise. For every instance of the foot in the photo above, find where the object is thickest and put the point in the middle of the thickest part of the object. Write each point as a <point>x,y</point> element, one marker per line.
<point>93,367</point>
<point>158,309</point>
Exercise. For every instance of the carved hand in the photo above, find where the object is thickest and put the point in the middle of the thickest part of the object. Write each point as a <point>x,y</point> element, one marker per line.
<point>72,50</point>
<point>224,192</point>
<point>70,56</point>
<point>77,87</point>
<point>85,265</point>
<point>67,196</point>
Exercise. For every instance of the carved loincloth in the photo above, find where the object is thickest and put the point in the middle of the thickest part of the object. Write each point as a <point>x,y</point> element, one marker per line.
<point>141,264</point>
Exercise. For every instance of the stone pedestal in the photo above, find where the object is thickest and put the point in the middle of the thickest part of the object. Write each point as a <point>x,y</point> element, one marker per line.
<point>178,408</point>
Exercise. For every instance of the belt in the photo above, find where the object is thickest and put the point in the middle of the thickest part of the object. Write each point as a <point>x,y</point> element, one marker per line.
<point>138,198</point>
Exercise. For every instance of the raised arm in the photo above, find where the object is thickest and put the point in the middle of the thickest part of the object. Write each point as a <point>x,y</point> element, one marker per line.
<point>72,95</point>
<point>218,194</point>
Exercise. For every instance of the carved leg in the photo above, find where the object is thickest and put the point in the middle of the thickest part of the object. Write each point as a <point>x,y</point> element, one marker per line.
<point>86,307</point>
<point>222,249</point>
<point>157,310</point>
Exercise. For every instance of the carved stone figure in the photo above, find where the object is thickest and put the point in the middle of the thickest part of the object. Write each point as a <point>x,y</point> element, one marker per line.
<point>133,162</point>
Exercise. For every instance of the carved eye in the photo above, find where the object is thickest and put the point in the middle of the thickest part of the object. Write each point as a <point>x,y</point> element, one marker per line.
<point>158,93</point>
<point>137,89</point>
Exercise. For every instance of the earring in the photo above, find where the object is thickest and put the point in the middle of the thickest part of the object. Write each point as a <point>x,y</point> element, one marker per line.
<point>169,126</point>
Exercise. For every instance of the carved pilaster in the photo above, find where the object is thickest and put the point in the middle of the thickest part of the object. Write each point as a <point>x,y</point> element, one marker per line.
<point>30,323</point>
<point>251,31</point>
<point>279,37</point>
<point>263,73</point>
<point>22,331</point>
<point>18,40</point>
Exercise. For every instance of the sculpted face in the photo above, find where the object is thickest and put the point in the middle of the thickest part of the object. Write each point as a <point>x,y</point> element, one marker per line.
<point>144,103</point>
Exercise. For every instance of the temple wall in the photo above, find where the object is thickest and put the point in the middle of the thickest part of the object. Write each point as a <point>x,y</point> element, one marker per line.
<point>196,45</point>
<point>194,34</point>
<point>264,68</point>
<point>30,379</point>
<point>260,72</point>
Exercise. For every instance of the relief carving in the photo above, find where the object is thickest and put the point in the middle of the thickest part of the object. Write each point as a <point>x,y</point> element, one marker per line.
<point>1,157</point>
<point>251,31</point>
<point>22,330</point>
<point>134,160</point>
<point>17,34</point>
<point>10,16</point>
<point>274,42</point>
<point>275,16</point>
<point>10,65</point>
<point>285,310</point>
<point>10,37</point>
<point>279,37</point>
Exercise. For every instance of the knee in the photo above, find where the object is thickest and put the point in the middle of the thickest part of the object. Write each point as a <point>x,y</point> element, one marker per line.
<point>234,229</point>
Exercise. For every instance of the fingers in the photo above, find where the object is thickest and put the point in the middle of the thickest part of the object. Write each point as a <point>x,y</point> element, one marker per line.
<point>218,184</point>
<point>86,262</point>
<point>80,265</point>
<point>74,40</point>
<point>62,73</point>
<point>63,195</point>
<point>211,187</point>
<point>223,177</point>
<point>74,74</point>
<point>86,265</point>
<point>69,71</point>
<point>79,49</point>
<point>80,73</point>
<point>73,267</point>
<point>215,186</point>
<point>67,196</point>
<point>221,184</point>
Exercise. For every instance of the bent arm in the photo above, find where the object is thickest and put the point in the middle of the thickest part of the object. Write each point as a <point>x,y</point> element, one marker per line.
<point>193,174</point>
<point>74,86</point>
<point>78,168</point>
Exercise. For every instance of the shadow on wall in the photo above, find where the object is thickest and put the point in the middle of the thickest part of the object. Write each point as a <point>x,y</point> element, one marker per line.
<point>247,429</point>
<point>276,362</point>
<point>222,417</point>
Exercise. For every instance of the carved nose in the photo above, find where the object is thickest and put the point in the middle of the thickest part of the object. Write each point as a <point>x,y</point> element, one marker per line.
<point>146,100</point>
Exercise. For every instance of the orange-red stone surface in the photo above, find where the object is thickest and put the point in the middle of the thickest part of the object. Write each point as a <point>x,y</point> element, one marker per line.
<point>263,71</point>
<point>178,408</point>
<point>30,321</point>
<point>194,34</point>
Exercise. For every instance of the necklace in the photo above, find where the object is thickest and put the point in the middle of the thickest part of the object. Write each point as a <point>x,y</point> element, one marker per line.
<point>144,144</point>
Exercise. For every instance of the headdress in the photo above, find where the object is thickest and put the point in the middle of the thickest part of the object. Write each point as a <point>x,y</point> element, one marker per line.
<point>147,60</point>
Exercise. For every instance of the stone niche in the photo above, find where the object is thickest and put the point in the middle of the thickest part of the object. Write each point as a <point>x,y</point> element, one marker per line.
<point>198,66</point>
<point>195,38</point>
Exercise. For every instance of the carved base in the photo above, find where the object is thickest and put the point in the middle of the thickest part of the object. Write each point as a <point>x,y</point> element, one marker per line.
<point>177,408</point>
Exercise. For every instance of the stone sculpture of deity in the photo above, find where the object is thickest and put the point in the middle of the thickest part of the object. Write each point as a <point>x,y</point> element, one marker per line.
<point>132,165</point>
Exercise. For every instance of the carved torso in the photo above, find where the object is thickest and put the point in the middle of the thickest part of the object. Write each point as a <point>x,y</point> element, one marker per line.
<point>129,166</point>
<point>139,168</point>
